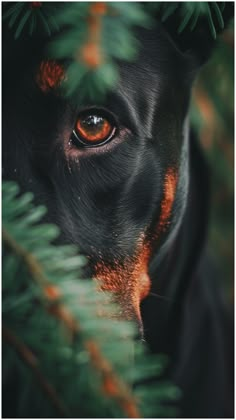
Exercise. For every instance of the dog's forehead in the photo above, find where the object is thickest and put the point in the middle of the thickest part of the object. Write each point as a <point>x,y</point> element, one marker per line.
<point>157,81</point>
<point>159,66</point>
<point>158,50</point>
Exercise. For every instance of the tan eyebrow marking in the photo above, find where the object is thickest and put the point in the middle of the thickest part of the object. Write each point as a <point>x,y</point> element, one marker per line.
<point>50,75</point>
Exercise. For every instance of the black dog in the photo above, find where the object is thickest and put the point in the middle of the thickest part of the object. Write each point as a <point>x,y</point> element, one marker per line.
<point>128,184</point>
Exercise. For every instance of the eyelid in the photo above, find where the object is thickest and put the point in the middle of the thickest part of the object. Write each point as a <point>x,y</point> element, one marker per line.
<point>74,153</point>
<point>98,109</point>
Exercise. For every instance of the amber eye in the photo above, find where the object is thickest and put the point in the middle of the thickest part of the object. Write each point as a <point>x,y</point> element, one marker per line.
<point>94,128</point>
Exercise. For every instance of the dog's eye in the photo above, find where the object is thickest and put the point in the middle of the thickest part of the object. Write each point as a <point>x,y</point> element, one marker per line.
<point>93,128</point>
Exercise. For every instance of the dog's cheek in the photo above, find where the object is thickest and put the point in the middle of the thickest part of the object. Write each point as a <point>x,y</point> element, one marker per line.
<point>128,279</point>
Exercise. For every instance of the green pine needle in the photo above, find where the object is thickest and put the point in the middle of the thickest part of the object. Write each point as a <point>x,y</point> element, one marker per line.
<point>12,10</point>
<point>210,21</point>
<point>23,14</point>
<point>218,13</point>
<point>194,20</point>
<point>185,21</point>
<point>22,23</point>
<point>194,10</point>
<point>169,11</point>
<point>44,22</point>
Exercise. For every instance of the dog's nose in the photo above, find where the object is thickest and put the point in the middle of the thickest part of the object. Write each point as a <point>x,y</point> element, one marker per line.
<point>128,309</point>
<point>139,325</point>
<point>140,331</point>
<point>129,284</point>
<point>128,304</point>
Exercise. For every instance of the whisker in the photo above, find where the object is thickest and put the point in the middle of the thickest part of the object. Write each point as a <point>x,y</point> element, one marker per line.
<point>160,296</point>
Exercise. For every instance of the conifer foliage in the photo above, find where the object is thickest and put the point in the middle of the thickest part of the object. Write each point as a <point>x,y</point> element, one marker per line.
<point>94,35</point>
<point>62,355</point>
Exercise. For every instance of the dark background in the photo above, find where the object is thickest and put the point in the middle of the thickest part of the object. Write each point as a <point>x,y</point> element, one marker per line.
<point>212,116</point>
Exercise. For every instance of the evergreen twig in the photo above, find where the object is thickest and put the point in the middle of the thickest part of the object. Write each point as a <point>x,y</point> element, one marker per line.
<point>31,262</point>
<point>112,385</point>
<point>90,361</point>
<point>94,35</point>
<point>32,362</point>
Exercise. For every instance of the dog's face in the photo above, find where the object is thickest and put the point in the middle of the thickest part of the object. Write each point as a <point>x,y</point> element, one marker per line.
<point>114,177</point>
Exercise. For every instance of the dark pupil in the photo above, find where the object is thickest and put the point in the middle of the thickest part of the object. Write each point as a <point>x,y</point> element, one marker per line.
<point>92,123</point>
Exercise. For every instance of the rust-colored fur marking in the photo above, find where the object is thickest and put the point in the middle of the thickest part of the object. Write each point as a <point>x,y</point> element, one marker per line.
<point>129,280</point>
<point>170,184</point>
<point>50,75</point>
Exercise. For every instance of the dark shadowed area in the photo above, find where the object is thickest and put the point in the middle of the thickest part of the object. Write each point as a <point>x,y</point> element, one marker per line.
<point>212,116</point>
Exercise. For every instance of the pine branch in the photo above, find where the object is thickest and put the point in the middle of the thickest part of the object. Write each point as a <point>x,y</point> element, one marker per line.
<point>112,385</point>
<point>87,343</point>
<point>91,51</point>
<point>188,14</point>
<point>94,35</point>
<point>103,35</point>
<point>31,15</point>
<point>32,362</point>
<point>31,262</point>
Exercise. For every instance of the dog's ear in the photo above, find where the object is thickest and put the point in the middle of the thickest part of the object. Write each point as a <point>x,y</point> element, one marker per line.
<point>196,38</point>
